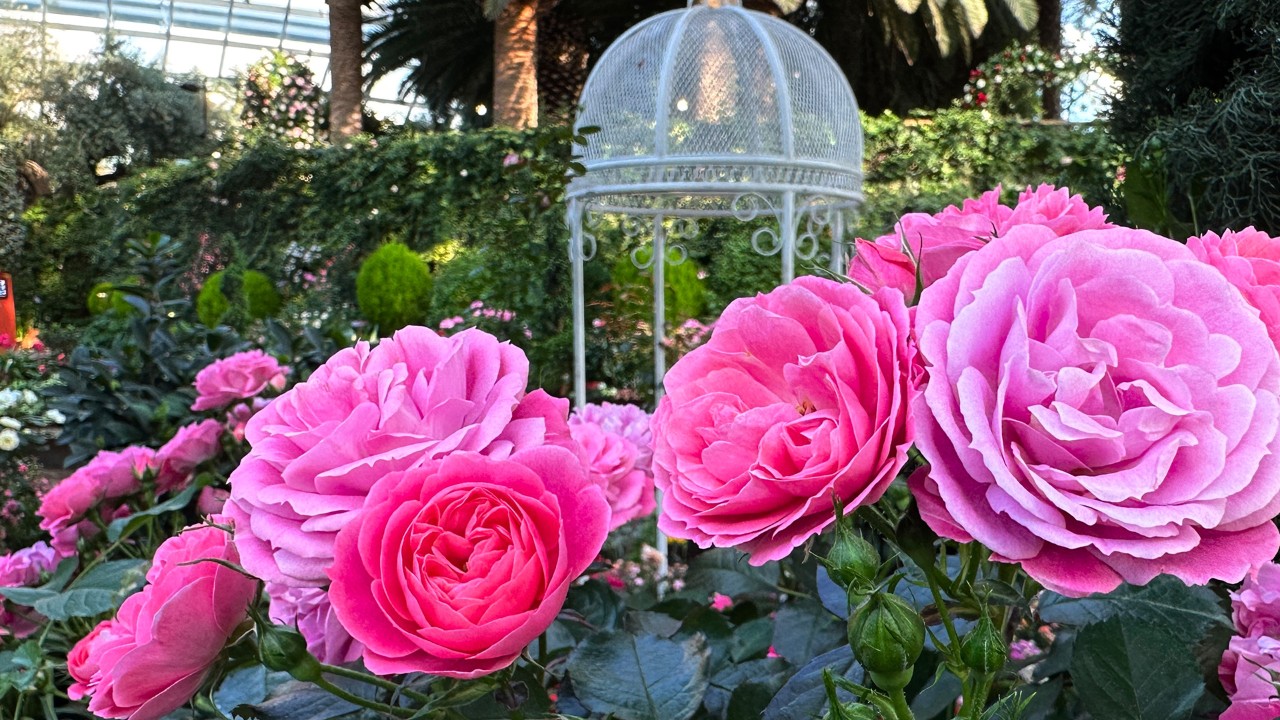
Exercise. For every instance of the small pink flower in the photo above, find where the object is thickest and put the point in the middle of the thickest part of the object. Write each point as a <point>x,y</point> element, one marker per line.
<point>153,657</point>
<point>191,445</point>
<point>720,603</point>
<point>308,610</point>
<point>240,376</point>
<point>451,322</point>
<point>1023,649</point>
<point>629,421</point>
<point>211,501</point>
<point>510,159</point>
<point>598,322</point>
<point>772,653</point>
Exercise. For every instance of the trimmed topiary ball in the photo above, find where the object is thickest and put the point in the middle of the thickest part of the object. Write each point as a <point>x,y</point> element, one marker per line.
<point>251,290</point>
<point>261,300</point>
<point>686,294</point>
<point>211,304</point>
<point>393,288</point>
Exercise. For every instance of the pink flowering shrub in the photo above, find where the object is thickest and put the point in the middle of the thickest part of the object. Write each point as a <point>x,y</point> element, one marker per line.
<point>96,487</point>
<point>799,394</point>
<point>1251,665</point>
<point>319,448</point>
<point>178,459</point>
<point>238,377</point>
<point>936,242</point>
<point>153,656</point>
<point>1101,408</point>
<point>309,611</point>
<point>456,565</point>
<point>1250,260</point>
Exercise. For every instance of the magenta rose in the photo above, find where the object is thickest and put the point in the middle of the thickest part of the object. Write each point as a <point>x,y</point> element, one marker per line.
<point>178,459</point>
<point>98,485</point>
<point>240,376</point>
<point>309,612</point>
<point>938,241</point>
<point>799,394</point>
<point>318,448</point>
<point>1250,259</point>
<point>629,421</point>
<point>456,565</point>
<point>24,568</point>
<point>153,657</point>
<point>613,463</point>
<point>1246,672</point>
<point>1101,408</point>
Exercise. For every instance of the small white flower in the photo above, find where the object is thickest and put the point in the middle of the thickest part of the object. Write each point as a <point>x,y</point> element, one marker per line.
<point>56,416</point>
<point>29,397</point>
<point>8,440</point>
<point>10,423</point>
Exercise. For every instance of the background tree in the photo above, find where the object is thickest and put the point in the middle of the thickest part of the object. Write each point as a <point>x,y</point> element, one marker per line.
<point>346,51</point>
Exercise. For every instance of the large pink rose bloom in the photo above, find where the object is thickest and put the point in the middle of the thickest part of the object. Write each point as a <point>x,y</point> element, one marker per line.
<point>1255,607</point>
<point>1101,408</point>
<point>1246,672</point>
<point>799,394</point>
<point>938,241</point>
<point>613,461</point>
<point>190,446</point>
<point>98,485</point>
<point>457,565</point>
<point>308,611</point>
<point>1250,259</point>
<point>243,375</point>
<point>153,657</point>
<point>318,448</point>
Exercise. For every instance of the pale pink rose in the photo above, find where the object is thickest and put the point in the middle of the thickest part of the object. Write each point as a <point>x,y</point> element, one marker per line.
<point>318,448</point>
<point>24,568</point>
<point>800,394</point>
<point>240,376</point>
<point>309,612</point>
<point>99,485</point>
<point>456,565</point>
<point>629,421</point>
<point>939,240</point>
<point>1250,259</point>
<point>1247,675</point>
<point>612,460</point>
<point>1101,408</point>
<point>1255,607</point>
<point>212,500</point>
<point>152,658</point>
<point>720,603</point>
<point>179,458</point>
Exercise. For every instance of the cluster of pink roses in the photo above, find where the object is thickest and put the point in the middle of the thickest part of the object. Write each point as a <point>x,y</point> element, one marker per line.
<point>23,568</point>
<point>1098,404</point>
<point>1250,669</point>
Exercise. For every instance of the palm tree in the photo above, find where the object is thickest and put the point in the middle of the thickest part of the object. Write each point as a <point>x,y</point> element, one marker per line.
<point>346,45</point>
<point>515,62</point>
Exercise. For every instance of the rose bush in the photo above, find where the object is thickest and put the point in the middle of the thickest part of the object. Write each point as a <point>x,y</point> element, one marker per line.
<point>96,487</point>
<point>319,448</point>
<point>799,394</point>
<point>1101,408</point>
<point>456,565</point>
<point>238,377</point>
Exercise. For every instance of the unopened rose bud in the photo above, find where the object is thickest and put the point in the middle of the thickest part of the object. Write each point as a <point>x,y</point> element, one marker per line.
<point>983,649</point>
<point>284,649</point>
<point>887,636</point>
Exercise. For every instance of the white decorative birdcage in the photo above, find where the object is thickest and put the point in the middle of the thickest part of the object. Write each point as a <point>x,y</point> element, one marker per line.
<point>713,111</point>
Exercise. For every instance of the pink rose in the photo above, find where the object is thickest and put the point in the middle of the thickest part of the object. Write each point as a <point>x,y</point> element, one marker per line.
<point>629,421</point>
<point>799,394</point>
<point>99,485</point>
<point>456,565</point>
<point>612,460</point>
<point>1255,607</point>
<point>308,610</point>
<point>153,657</point>
<point>1250,259</point>
<point>243,375</point>
<point>211,501</point>
<point>190,446</point>
<point>1246,674</point>
<point>238,417</point>
<point>318,448</point>
<point>24,568</point>
<point>720,603</point>
<point>938,241</point>
<point>1101,408</point>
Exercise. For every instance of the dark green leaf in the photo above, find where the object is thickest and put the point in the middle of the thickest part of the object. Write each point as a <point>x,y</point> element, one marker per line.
<point>751,639</point>
<point>641,622</point>
<point>597,603</point>
<point>725,571</point>
<point>1165,602</point>
<point>937,696</point>
<point>749,701</point>
<point>640,678</point>
<point>77,603</point>
<point>770,671</point>
<point>804,697</point>
<point>834,598</point>
<point>125,526</point>
<point>804,629</point>
<point>1125,669</point>
<point>245,686</point>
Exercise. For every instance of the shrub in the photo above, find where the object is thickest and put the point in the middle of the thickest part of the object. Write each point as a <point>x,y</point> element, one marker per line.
<point>256,297</point>
<point>393,288</point>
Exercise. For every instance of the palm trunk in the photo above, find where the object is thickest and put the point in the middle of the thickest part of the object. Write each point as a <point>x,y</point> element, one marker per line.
<point>515,70</point>
<point>1049,35</point>
<point>346,47</point>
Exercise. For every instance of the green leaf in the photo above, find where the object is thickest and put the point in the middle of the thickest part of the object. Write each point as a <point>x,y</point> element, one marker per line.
<point>26,596</point>
<point>640,677</point>
<point>125,526</point>
<point>804,697</point>
<point>804,629</point>
<point>1164,602</point>
<point>97,591</point>
<point>725,571</point>
<point>937,696</point>
<point>908,6</point>
<point>773,672</point>
<point>975,16</point>
<point>1025,12</point>
<point>748,701</point>
<point>597,603</point>
<point>1130,670</point>
<point>751,639</point>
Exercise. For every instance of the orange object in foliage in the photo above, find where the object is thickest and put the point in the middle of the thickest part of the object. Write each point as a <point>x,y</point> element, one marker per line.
<point>8,317</point>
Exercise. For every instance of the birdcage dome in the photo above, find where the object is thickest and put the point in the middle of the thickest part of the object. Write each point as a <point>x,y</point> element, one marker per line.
<point>696,107</point>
